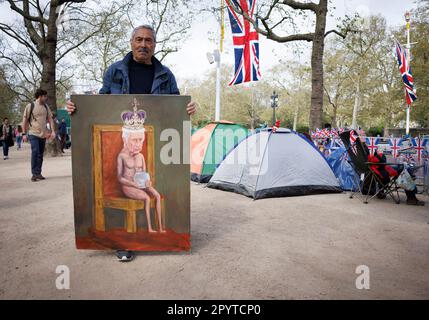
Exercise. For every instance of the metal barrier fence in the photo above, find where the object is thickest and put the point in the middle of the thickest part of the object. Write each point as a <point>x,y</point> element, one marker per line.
<point>410,151</point>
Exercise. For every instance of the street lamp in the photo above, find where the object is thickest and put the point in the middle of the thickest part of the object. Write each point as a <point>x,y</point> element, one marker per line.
<point>274,104</point>
<point>407,16</point>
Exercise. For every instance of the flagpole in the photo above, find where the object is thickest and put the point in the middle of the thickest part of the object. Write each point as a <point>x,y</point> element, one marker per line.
<point>222,24</point>
<point>408,27</point>
<point>217,59</point>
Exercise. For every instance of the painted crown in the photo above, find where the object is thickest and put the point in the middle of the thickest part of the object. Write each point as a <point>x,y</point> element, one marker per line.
<point>134,120</point>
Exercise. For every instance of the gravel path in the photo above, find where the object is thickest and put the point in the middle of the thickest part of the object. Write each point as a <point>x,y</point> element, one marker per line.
<point>288,248</point>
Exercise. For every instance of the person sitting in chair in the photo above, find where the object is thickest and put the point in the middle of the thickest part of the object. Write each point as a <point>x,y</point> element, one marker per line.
<point>131,165</point>
<point>386,172</point>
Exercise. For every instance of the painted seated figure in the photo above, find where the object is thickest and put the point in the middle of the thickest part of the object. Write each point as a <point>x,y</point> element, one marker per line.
<point>131,166</point>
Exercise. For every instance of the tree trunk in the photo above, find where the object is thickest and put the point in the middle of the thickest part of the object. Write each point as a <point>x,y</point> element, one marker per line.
<point>295,117</point>
<point>316,111</point>
<point>386,132</point>
<point>49,58</point>
<point>48,82</point>
<point>356,105</point>
<point>335,110</point>
<point>388,117</point>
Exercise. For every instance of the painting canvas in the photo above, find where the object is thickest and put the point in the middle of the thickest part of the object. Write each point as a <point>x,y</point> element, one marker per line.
<point>130,167</point>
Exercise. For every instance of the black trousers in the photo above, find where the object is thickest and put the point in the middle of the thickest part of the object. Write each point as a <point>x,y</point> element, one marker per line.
<point>37,150</point>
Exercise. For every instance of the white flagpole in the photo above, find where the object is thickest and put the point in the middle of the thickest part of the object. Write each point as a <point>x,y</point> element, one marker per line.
<point>217,59</point>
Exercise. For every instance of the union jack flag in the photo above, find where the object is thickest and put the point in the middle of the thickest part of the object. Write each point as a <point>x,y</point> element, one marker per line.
<point>395,147</point>
<point>353,138</point>
<point>406,73</point>
<point>326,133</point>
<point>246,42</point>
<point>372,144</point>
<point>419,145</point>
<point>315,134</point>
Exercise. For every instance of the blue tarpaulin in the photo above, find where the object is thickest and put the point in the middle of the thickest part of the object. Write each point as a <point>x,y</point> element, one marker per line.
<point>343,170</point>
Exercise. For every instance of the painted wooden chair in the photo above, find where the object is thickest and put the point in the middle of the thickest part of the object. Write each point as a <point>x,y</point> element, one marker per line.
<point>107,143</point>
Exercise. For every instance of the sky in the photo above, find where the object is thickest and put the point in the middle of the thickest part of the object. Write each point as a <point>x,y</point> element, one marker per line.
<point>190,62</point>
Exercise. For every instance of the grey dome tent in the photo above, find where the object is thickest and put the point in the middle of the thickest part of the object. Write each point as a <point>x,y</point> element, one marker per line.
<point>279,164</point>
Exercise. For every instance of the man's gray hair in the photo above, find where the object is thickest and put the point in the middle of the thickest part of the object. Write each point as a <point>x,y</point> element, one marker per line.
<point>144,26</point>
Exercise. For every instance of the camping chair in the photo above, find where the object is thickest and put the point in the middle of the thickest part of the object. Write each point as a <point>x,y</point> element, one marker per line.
<point>368,177</point>
<point>107,143</point>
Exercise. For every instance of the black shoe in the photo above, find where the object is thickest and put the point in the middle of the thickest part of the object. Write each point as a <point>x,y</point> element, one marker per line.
<point>415,202</point>
<point>124,256</point>
<point>34,178</point>
<point>40,177</point>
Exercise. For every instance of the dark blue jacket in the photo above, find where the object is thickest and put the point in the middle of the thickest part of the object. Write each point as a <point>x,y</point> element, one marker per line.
<point>117,81</point>
<point>62,128</point>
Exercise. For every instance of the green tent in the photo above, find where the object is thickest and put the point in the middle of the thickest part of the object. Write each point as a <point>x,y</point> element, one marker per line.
<point>210,145</point>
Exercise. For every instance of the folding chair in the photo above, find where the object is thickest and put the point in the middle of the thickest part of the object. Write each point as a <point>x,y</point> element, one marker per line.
<point>359,158</point>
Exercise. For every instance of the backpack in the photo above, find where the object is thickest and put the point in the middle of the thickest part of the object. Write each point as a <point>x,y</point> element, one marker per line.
<point>31,113</point>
